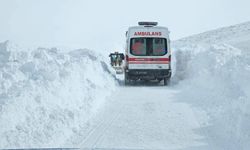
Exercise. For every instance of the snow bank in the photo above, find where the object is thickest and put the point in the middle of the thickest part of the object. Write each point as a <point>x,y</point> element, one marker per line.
<point>47,95</point>
<point>235,35</point>
<point>216,78</point>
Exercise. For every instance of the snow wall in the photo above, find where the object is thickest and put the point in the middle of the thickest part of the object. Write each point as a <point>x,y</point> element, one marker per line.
<point>47,95</point>
<point>213,75</point>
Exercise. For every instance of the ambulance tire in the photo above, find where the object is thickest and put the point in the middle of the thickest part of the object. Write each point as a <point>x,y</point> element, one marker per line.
<point>126,79</point>
<point>165,81</point>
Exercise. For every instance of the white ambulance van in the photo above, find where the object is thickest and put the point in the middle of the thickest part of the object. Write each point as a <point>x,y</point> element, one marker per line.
<point>147,54</point>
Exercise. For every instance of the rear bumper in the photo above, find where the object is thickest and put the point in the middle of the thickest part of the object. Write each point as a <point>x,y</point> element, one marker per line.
<point>148,74</point>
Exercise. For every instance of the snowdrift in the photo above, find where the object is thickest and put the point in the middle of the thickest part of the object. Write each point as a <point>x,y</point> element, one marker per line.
<point>47,95</point>
<point>214,76</point>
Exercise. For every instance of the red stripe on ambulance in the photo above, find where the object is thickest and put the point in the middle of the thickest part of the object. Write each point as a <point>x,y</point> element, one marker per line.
<point>148,59</point>
<point>149,62</point>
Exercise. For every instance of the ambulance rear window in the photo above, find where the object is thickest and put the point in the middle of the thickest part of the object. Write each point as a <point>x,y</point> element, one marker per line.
<point>148,46</point>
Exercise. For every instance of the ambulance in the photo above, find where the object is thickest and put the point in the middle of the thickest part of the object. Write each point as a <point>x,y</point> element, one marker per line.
<point>147,53</point>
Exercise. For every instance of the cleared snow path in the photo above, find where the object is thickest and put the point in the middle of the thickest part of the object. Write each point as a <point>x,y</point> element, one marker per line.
<point>143,117</point>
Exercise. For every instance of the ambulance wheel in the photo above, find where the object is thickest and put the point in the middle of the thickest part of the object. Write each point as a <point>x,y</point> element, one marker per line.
<point>126,79</point>
<point>126,82</point>
<point>166,81</point>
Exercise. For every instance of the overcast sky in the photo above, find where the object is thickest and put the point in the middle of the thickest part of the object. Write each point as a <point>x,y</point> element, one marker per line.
<point>101,24</point>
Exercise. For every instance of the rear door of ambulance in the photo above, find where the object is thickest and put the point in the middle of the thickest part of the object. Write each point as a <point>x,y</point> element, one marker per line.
<point>148,48</point>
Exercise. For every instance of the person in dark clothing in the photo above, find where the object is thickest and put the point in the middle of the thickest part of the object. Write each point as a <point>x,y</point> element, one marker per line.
<point>116,58</point>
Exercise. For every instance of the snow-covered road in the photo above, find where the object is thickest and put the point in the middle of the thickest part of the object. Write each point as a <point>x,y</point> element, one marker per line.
<point>143,117</point>
<point>57,98</point>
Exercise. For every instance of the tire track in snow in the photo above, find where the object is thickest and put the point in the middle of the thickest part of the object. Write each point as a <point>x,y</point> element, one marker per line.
<point>95,135</point>
<point>133,120</point>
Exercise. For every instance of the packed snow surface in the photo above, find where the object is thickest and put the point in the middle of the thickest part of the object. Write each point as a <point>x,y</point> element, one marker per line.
<point>71,99</point>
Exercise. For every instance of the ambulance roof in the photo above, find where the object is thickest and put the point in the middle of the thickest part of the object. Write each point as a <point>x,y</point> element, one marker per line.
<point>147,27</point>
